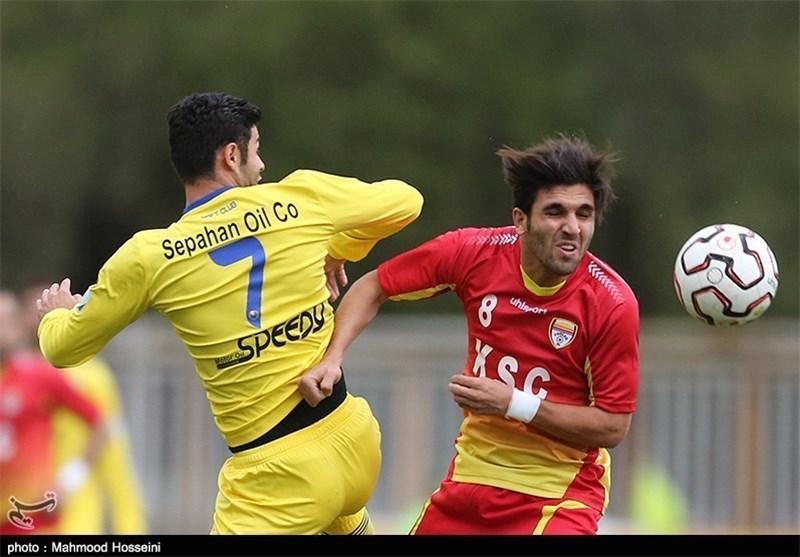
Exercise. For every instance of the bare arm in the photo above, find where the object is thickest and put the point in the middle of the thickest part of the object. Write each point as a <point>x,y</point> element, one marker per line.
<point>357,309</point>
<point>98,438</point>
<point>579,426</point>
<point>584,426</point>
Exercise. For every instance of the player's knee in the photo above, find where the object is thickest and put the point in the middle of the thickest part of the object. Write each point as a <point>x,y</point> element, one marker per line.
<point>358,524</point>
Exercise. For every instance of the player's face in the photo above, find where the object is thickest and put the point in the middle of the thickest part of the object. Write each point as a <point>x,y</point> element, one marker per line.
<point>250,170</point>
<point>558,232</point>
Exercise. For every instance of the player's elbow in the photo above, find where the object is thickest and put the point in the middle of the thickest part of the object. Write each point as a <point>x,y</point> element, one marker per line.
<point>412,202</point>
<point>612,440</point>
<point>60,356</point>
<point>63,361</point>
<point>52,344</point>
<point>52,354</point>
<point>415,203</point>
<point>615,433</point>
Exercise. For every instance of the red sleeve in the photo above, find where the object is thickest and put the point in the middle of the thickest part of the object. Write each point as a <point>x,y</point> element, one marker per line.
<point>64,394</point>
<point>614,360</point>
<point>428,267</point>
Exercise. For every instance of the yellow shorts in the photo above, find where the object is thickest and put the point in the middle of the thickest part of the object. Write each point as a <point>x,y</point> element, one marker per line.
<point>303,482</point>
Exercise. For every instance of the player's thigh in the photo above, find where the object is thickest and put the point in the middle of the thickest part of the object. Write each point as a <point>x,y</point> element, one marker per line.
<point>461,508</point>
<point>290,494</point>
<point>355,451</point>
<point>301,483</point>
<point>464,508</point>
<point>450,510</point>
<point>568,517</point>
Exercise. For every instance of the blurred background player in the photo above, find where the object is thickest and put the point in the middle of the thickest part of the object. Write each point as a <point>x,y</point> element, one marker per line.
<point>31,391</point>
<point>110,501</point>
<point>552,371</point>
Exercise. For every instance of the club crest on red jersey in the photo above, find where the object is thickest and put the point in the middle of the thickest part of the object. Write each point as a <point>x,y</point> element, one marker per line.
<point>562,332</point>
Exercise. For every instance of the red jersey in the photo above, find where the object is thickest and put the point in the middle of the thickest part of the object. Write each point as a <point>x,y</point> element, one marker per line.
<point>576,343</point>
<point>30,391</point>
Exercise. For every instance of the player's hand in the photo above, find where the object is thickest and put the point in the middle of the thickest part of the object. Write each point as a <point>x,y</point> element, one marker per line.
<point>57,296</point>
<point>480,395</point>
<point>335,276</point>
<point>317,384</point>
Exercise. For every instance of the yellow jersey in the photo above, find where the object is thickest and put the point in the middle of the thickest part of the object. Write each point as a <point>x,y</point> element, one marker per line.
<point>240,276</point>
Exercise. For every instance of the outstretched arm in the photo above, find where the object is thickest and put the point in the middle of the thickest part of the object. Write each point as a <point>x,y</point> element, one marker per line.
<point>357,309</point>
<point>71,332</point>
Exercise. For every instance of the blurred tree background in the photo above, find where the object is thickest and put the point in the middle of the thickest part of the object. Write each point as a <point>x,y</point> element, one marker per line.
<point>699,99</point>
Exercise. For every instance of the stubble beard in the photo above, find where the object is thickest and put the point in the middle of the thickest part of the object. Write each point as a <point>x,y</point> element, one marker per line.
<point>560,267</point>
<point>553,263</point>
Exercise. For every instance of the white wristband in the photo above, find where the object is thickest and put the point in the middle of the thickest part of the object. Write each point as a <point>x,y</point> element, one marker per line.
<point>72,475</point>
<point>523,406</point>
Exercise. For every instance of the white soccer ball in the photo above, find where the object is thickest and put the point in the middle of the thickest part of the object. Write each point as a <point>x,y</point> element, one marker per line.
<point>725,275</point>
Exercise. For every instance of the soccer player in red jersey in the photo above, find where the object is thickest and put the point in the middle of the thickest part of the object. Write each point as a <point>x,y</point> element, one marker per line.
<point>31,390</point>
<point>552,369</point>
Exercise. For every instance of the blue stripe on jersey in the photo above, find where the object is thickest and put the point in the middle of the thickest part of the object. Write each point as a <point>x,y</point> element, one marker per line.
<point>206,198</point>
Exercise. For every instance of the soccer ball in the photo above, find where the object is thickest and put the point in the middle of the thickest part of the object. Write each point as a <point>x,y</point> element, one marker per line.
<point>725,275</point>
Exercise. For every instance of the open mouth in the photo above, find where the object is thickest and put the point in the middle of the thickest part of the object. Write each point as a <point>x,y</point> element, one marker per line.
<point>567,248</point>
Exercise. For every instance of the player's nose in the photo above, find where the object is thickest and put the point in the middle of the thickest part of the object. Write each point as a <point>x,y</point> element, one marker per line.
<point>571,225</point>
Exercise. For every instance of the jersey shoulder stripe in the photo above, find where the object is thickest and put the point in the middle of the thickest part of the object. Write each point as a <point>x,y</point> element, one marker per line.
<point>597,272</point>
<point>609,281</point>
<point>492,237</point>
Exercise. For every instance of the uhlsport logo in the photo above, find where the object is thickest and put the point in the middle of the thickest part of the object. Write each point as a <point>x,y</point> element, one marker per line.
<point>18,516</point>
<point>562,332</point>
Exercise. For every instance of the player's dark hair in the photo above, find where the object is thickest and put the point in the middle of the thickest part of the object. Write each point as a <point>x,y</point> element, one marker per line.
<point>558,161</point>
<point>202,123</point>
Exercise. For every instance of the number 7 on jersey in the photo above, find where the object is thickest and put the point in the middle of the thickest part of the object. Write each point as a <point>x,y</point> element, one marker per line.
<point>236,251</point>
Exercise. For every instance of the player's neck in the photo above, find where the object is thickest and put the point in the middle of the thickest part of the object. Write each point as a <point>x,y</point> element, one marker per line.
<point>539,275</point>
<point>201,188</point>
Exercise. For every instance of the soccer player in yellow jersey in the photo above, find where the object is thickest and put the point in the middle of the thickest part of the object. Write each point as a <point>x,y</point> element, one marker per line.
<point>246,277</point>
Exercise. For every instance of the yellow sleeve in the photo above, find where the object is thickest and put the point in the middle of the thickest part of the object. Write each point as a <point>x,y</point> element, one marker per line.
<point>363,213</point>
<point>71,337</point>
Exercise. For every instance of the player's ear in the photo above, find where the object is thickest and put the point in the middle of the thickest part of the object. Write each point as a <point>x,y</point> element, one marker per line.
<point>520,220</point>
<point>229,156</point>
